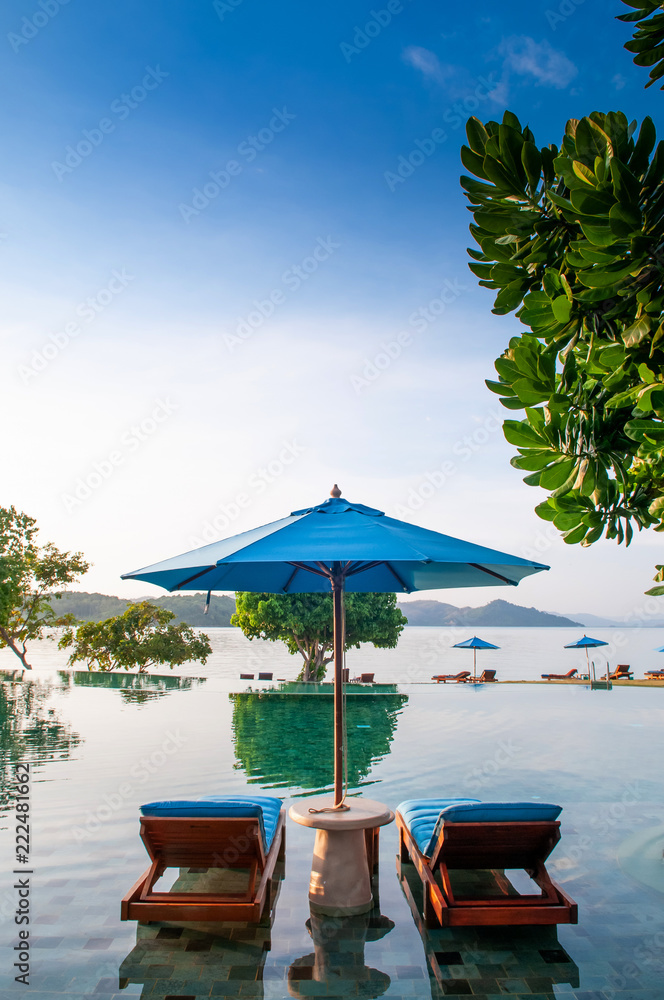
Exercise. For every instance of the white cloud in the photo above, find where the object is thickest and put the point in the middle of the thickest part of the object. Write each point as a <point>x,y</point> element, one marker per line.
<point>427,63</point>
<point>618,81</point>
<point>526,57</point>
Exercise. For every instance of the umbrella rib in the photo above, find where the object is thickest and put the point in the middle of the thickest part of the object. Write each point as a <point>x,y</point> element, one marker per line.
<point>291,578</point>
<point>499,576</point>
<point>190,579</point>
<point>396,576</point>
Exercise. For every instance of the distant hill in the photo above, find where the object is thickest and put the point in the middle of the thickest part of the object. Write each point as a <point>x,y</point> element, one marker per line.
<point>187,607</point>
<point>496,613</point>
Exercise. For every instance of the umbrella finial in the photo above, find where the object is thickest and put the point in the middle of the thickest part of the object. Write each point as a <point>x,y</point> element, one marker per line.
<point>335,491</point>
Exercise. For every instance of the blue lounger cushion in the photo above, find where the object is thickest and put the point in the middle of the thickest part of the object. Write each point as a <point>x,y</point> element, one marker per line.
<point>421,816</point>
<point>263,807</point>
<point>424,817</point>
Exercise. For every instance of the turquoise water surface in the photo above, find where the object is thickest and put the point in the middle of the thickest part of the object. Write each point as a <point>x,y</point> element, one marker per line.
<point>98,752</point>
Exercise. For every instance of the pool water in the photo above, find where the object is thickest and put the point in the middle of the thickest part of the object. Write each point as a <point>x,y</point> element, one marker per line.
<point>98,752</point>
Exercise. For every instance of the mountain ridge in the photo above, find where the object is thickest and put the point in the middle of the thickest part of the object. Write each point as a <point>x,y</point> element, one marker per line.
<point>189,608</point>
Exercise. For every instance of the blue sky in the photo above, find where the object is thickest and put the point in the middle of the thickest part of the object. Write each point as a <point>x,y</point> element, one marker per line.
<point>220,296</point>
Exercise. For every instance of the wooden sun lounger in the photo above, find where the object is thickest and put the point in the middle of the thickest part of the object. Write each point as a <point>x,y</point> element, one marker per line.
<point>622,672</point>
<point>205,842</point>
<point>490,847</point>
<point>655,675</point>
<point>559,677</point>
<point>459,678</point>
<point>486,676</point>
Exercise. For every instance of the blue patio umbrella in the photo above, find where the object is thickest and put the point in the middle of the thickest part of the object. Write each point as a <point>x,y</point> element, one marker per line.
<point>586,642</point>
<point>341,546</point>
<point>474,644</point>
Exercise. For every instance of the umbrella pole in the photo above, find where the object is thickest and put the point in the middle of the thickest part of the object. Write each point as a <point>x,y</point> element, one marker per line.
<point>474,664</point>
<point>338,598</point>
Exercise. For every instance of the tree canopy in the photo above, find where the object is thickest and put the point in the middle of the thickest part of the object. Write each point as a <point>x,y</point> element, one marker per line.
<point>140,637</point>
<point>304,623</point>
<point>31,576</point>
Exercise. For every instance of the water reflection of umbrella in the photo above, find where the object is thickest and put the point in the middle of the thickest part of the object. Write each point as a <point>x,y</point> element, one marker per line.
<point>586,642</point>
<point>474,644</point>
<point>342,546</point>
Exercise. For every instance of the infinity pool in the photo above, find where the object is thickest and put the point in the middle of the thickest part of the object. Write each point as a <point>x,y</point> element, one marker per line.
<point>98,752</point>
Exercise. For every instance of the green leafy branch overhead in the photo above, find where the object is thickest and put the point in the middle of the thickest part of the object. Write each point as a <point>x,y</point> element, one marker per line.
<point>648,40</point>
<point>572,238</point>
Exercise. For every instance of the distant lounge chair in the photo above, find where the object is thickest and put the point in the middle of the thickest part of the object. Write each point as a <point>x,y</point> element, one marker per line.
<point>486,676</point>
<point>364,679</point>
<point>441,836</point>
<point>220,835</point>
<point>444,678</point>
<point>621,672</point>
<point>655,675</point>
<point>559,677</point>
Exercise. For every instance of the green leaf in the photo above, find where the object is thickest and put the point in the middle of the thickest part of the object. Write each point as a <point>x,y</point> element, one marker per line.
<point>637,331</point>
<point>477,135</point>
<point>521,434</point>
<point>562,308</point>
<point>558,473</point>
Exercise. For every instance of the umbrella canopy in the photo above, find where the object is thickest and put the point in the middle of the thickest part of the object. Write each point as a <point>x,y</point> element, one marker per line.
<point>586,642</point>
<point>474,644</point>
<point>345,546</point>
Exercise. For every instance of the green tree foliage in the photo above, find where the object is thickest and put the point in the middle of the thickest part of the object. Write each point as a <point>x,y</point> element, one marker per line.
<point>304,623</point>
<point>648,39</point>
<point>140,637</point>
<point>30,578</point>
<point>572,238</point>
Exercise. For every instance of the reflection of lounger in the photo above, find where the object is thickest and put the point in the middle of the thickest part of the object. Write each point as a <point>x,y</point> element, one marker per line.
<point>477,841</point>
<point>559,677</point>
<point>459,678</point>
<point>234,840</point>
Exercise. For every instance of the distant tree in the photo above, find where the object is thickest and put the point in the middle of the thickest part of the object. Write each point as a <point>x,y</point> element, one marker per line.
<point>140,637</point>
<point>304,623</point>
<point>30,578</point>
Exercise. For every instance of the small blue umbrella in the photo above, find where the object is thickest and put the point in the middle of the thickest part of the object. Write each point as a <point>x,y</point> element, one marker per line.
<point>341,546</point>
<point>474,644</point>
<point>586,642</point>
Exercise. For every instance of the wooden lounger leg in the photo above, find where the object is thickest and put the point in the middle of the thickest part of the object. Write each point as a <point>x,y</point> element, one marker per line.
<point>403,850</point>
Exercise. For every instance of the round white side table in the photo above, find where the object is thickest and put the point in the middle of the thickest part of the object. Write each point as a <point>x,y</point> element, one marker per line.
<point>341,870</point>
